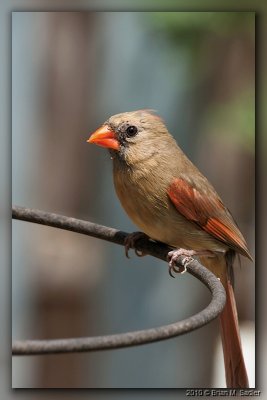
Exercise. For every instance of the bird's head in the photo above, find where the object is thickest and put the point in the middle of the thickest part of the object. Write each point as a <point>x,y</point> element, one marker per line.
<point>131,136</point>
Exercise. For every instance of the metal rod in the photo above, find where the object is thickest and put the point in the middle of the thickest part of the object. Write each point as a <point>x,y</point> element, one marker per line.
<point>159,250</point>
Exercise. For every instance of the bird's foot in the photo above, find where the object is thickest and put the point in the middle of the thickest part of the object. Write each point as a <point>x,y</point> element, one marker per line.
<point>174,255</point>
<point>130,242</point>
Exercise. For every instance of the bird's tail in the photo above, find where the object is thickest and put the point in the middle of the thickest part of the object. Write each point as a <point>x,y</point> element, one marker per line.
<point>235,369</point>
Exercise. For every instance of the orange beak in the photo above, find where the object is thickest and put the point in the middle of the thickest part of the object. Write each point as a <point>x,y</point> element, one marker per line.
<point>104,137</point>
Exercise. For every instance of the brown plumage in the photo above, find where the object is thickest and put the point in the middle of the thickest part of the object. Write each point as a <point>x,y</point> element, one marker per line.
<point>172,202</point>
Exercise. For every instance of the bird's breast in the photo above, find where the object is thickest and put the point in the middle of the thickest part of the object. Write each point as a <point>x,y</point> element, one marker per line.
<point>145,206</point>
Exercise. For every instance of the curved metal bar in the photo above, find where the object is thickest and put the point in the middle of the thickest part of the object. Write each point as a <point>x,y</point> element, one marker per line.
<point>34,347</point>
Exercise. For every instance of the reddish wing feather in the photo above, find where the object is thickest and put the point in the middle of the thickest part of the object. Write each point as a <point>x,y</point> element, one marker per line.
<point>208,212</point>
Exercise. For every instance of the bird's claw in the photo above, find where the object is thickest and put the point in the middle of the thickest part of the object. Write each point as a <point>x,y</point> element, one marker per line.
<point>174,256</point>
<point>130,242</point>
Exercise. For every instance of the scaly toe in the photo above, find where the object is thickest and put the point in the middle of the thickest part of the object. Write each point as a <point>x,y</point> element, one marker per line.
<point>130,242</point>
<point>173,257</point>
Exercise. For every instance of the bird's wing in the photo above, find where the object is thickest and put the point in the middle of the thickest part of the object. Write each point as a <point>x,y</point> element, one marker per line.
<point>208,212</point>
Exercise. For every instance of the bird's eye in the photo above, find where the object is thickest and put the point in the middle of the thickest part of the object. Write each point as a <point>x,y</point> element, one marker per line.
<point>131,131</point>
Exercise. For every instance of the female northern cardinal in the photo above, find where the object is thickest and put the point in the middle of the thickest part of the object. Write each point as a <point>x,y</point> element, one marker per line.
<point>172,202</point>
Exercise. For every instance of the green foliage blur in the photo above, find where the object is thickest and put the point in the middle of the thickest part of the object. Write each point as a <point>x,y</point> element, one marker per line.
<point>232,97</point>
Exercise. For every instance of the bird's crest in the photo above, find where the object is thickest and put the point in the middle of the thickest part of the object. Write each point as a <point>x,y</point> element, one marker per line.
<point>150,111</point>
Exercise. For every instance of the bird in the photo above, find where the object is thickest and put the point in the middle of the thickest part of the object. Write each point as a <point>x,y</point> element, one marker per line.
<point>169,199</point>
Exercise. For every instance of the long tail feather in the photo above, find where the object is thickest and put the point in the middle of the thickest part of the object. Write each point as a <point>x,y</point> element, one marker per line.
<point>235,369</point>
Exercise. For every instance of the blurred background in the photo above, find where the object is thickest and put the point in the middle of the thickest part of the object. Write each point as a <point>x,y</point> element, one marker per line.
<point>70,72</point>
